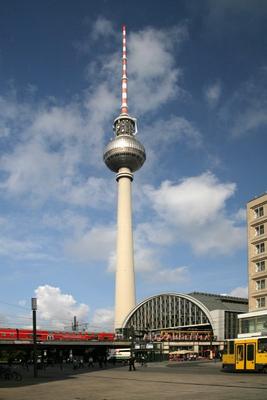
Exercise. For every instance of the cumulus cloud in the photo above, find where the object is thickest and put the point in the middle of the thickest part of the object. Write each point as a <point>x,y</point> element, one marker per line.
<point>153,74</point>
<point>194,210</point>
<point>245,111</point>
<point>102,27</point>
<point>57,308</point>
<point>21,249</point>
<point>239,292</point>
<point>96,244</point>
<point>170,275</point>
<point>59,141</point>
<point>174,130</point>
<point>103,318</point>
<point>213,93</point>
<point>194,200</point>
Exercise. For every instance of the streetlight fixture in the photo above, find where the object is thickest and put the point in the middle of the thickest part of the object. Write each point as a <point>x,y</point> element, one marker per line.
<point>34,309</point>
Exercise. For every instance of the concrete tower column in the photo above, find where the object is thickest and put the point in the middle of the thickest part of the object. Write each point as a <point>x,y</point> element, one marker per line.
<point>125,279</point>
<point>124,154</point>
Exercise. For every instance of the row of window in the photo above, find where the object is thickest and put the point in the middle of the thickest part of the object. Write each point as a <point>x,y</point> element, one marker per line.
<point>259,212</point>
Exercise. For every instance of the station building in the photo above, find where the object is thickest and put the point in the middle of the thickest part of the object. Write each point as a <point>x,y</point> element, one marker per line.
<point>195,321</point>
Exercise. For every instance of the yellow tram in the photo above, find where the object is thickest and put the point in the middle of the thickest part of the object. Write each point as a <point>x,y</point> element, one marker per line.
<point>246,354</point>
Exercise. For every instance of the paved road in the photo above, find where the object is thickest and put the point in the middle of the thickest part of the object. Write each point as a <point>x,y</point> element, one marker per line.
<point>161,381</point>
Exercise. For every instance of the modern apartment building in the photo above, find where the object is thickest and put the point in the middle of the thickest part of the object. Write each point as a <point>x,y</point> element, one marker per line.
<point>254,323</point>
<point>257,253</point>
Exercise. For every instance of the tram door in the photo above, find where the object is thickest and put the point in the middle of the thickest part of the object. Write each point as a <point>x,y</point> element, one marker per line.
<point>250,356</point>
<point>239,357</point>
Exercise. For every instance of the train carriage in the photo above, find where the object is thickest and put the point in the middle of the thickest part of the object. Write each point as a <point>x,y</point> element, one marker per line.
<point>12,334</point>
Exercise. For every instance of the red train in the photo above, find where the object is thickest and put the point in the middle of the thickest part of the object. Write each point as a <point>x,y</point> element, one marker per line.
<point>43,335</point>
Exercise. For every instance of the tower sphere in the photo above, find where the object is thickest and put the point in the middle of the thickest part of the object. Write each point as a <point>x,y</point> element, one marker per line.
<point>124,151</point>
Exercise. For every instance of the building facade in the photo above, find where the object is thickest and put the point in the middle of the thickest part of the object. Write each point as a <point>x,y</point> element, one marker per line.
<point>254,323</point>
<point>257,253</point>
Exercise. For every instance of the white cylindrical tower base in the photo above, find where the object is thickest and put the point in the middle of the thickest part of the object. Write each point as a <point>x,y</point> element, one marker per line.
<point>125,280</point>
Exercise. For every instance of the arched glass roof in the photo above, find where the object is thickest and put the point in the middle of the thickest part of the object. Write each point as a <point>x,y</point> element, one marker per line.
<point>169,311</point>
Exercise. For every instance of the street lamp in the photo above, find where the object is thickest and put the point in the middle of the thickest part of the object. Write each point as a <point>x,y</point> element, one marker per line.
<point>34,309</point>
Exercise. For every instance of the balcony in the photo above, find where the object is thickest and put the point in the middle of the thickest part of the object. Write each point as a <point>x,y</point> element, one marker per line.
<point>256,221</point>
<point>258,257</point>
<point>258,238</point>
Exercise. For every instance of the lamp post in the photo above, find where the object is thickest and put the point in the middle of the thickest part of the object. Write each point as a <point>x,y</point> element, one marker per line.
<point>34,309</point>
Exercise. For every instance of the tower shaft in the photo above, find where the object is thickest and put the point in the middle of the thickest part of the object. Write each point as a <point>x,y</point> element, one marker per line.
<point>124,155</point>
<point>125,279</point>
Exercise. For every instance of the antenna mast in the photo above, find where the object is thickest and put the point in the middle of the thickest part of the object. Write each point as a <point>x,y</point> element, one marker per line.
<point>124,79</point>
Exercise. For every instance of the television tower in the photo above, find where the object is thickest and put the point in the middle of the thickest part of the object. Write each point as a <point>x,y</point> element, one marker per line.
<point>124,155</point>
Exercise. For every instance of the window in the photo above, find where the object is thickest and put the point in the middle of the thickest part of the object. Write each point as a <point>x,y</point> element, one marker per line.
<point>260,248</point>
<point>259,212</point>
<point>259,230</point>
<point>250,352</point>
<point>260,284</point>
<point>260,266</point>
<point>231,347</point>
<point>262,345</point>
<point>260,302</point>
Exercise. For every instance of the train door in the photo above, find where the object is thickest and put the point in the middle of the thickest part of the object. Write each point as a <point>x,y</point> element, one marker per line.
<point>239,357</point>
<point>250,356</point>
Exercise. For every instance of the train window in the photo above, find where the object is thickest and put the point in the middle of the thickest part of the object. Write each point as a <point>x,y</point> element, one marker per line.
<point>262,345</point>
<point>250,352</point>
<point>231,347</point>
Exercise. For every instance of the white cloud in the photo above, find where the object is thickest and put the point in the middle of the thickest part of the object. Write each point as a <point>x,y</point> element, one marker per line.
<point>103,318</point>
<point>102,27</point>
<point>241,215</point>
<point>57,308</point>
<point>170,275</point>
<point>152,71</point>
<point>194,211</point>
<point>67,220</point>
<point>95,244</point>
<point>58,142</point>
<point>195,200</point>
<point>31,170</point>
<point>213,93</point>
<point>239,292</point>
<point>95,192</point>
<point>174,130</point>
<point>245,111</point>
<point>21,249</point>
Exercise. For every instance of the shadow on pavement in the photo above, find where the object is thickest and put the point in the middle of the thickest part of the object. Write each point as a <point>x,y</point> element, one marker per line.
<point>50,374</point>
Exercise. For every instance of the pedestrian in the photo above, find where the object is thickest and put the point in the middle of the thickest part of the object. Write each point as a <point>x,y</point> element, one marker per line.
<point>131,363</point>
<point>91,362</point>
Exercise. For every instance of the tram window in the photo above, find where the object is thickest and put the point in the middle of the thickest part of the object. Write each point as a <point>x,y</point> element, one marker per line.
<point>262,345</point>
<point>250,352</point>
<point>239,354</point>
<point>231,347</point>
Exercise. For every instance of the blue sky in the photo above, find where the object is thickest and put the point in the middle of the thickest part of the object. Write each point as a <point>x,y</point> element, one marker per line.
<point>197,85</point>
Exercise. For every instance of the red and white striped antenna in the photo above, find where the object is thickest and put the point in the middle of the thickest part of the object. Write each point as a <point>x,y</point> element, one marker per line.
<point>124,79</point>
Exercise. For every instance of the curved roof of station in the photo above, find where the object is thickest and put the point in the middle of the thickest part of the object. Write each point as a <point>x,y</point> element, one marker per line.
<point>206,302</point>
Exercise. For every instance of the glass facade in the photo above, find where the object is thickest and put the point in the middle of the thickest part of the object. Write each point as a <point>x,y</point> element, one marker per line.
<point>166,312</point>
<point>253,324</point>
<point>230,324</point>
